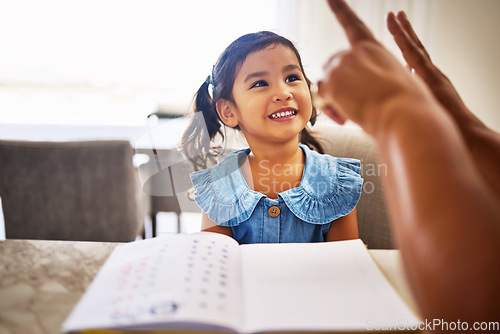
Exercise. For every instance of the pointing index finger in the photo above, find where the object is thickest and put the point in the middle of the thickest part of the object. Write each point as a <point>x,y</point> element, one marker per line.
<point>354,28</point>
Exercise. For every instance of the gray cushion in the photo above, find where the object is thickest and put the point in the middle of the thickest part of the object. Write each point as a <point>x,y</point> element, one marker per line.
<point>373,219</point>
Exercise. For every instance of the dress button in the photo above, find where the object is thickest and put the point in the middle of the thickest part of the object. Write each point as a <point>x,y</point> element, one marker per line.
<point>274,211</point>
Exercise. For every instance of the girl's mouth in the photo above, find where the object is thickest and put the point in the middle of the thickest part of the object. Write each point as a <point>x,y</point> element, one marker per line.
<point>283,114</point>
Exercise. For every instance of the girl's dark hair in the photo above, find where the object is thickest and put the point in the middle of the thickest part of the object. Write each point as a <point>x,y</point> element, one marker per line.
<point>196,141</point>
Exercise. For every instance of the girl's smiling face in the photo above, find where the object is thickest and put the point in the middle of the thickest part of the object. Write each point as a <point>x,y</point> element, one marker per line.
<point>272,101</point>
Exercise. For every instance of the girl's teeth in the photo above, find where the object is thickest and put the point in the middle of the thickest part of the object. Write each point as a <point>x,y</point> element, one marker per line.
<point>283,114</point>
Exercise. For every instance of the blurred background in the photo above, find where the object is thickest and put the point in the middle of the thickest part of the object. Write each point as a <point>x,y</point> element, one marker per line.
<point>114,62</point>
<point>96,69</point>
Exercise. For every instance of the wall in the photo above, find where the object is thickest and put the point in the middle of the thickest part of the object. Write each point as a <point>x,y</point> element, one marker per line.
<point>465,44</point>
<point>462,37</point>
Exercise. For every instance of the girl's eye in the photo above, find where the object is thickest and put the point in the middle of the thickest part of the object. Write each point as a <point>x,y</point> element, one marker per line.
<point>260,83</point>
<point>292,78</point>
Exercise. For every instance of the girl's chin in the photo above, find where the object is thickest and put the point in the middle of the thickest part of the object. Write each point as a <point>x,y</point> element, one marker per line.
<point>285,136</point>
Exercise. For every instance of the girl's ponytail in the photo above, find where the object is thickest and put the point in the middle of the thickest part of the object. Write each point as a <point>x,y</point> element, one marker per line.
<point>196,140</point>
<point>306,137</point>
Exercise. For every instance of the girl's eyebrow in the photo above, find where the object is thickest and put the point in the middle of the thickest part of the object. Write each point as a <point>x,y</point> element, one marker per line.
<point>254,75</point>
<point>291,67</point>
<point>286,68</point>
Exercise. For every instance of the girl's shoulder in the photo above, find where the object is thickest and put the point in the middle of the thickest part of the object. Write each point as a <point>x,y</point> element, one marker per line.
<point>222,193</point>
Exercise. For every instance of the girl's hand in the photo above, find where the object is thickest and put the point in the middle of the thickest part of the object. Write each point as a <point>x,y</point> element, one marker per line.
<point>365,82</point>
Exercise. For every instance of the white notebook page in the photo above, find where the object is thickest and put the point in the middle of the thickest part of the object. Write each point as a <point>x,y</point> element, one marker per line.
<point>326,286</point>
<point>175,279</point>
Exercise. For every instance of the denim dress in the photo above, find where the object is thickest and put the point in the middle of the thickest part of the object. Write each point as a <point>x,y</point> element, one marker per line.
<point>330,188</point>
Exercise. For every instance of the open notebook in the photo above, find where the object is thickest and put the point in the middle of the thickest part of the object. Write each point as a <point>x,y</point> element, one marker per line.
<point>207,282</point>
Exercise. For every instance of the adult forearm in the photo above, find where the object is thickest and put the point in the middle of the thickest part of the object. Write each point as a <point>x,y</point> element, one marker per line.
<point>441,209</point>
<point>482,142</point>
<point>484,147</point>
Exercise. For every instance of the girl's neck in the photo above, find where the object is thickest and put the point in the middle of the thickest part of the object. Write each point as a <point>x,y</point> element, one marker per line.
<point>273,169</point>
<point>281,153</point>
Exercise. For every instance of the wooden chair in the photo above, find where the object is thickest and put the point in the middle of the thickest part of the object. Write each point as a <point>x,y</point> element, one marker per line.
<point>165,177</point>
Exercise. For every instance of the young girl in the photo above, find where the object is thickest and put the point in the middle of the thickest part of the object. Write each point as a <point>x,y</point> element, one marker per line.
<point>279,189</point>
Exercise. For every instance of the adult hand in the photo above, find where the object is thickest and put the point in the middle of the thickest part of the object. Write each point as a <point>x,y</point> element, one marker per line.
<point>439,176</point>
<point>419,60</point>
<point>483,143</point>
<point>362,83</point>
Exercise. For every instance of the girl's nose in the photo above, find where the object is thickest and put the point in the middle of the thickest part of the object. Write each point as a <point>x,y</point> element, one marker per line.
<point>283,95</point>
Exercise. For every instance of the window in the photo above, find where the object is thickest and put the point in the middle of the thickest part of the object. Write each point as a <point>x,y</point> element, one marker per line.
<point>114,61</point>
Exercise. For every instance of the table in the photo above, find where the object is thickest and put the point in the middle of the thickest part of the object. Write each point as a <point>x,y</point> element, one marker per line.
<point>41,281</point>
<point>165,134</point>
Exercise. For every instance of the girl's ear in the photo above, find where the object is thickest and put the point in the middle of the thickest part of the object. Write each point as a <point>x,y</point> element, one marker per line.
<point>226,111</point>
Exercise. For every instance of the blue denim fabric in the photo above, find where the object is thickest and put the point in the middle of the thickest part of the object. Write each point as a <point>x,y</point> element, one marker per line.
<point>330,188</point>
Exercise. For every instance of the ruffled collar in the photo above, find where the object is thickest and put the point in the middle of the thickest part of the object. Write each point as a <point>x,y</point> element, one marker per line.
<point>242,156</point>
<point>330,188</point>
